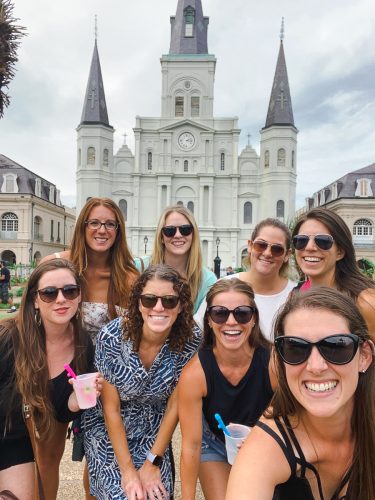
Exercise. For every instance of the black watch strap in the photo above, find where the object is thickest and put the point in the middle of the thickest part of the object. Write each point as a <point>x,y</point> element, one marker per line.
<point>154,459</point>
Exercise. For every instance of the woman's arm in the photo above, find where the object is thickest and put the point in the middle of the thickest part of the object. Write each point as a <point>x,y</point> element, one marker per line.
<point>366,305</point>
<point>130,480</point>
<point>259,467</point>
<point>192,388</point>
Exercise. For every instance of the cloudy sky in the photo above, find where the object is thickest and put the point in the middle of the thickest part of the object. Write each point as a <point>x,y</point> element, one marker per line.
<point>330,54</point>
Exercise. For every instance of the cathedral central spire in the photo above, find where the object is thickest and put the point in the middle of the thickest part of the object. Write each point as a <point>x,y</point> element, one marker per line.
<point>189,29</point>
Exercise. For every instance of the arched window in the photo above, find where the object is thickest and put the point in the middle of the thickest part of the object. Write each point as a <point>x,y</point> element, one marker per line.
<point>293,159</point>
<point>194,105</point>
<point>186,166</point>
<point>105,158</point>
<point>281,157</point>
<point>149,160</point>
<point>190,206</point>
<point>266,159</point>
<point>222,161</point>
<point>179,106</point>
<point>248,212</point>
<point>37,228</point>
<point>123,204</point>
<point>10,183</point>
<point>91,156</point>
<point>79,156</point>
<point>362,231</point>
<point>38,187</point>
<point>180,203</point>
<point>9,222</point>
<point>189,14</point>
<point>280,209</point>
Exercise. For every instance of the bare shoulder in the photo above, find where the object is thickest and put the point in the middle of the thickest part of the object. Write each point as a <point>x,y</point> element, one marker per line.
<point>192,372</point>
<point>366,305</point>
<point>63,255</point>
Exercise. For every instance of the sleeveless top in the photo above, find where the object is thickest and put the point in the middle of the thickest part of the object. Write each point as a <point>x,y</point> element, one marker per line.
<point>242,403</point>
<point>297,487</point>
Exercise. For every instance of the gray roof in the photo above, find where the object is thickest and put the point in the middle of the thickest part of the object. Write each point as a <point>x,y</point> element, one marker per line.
<point>196,44</point>
<point>94,107</point>
<point>25,179</point>
<point>280,110</point>
<point>347,185</point>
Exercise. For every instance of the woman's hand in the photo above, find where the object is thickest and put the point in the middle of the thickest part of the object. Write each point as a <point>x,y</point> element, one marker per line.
<point>131,484</point>
<point>72,401</point>
<point>99,384</point>
<point>151,481</point>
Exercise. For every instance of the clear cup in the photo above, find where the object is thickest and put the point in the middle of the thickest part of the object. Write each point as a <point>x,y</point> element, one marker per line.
<point>85,389</point>
<point>238,434</point>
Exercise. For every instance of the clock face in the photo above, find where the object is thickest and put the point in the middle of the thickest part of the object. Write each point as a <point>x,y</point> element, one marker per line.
<point>186,140</point>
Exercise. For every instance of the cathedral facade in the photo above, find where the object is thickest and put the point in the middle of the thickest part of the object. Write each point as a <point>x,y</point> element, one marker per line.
<point>187,155</point>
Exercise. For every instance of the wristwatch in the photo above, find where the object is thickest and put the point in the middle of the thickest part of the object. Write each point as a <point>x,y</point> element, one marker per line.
<point>154,459</point>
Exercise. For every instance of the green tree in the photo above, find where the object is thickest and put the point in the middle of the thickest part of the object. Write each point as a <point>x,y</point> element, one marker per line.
<point>10,35</point>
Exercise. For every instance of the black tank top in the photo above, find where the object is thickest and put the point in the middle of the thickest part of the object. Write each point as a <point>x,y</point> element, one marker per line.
<point>242,403</point>
<point>297,487</point>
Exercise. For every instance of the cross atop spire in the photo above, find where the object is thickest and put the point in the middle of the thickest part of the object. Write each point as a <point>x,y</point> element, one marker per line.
<point>282,30</point>
<point>96,28</point>
<point>189,29</point>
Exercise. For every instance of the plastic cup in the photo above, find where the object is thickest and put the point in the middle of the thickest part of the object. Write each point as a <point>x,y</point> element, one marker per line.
<point>85,389</point>
<point>238,433</point>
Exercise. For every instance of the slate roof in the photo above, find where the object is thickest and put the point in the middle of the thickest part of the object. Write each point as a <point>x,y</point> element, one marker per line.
<point>280,111</point>
<point>94,106</point>
<point>196,44</point>
<point>25,178</point>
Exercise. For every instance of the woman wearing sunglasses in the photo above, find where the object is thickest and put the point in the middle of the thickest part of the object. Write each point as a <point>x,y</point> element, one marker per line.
<point>177,244</point>
<point>230,375</point>
<point>325,254</point>
<point>141,357</point>
<point>106,267</point>
<point>317,439</point>
<point>34,346</point>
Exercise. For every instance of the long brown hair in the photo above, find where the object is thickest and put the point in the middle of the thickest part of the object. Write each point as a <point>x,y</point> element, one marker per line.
<point>348,277</point>
<point>193,271</point>
<point>29,340</point>
<point>182,328</point>
<point>362,478</point>
<point>256,338</point>
<point>121,263</point>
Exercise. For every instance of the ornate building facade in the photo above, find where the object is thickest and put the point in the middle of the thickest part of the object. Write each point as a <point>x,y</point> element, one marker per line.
<point>187,155</point>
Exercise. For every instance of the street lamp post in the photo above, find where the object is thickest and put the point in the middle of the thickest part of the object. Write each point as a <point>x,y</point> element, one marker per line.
<point>217,260</point>
<point>145,241</point>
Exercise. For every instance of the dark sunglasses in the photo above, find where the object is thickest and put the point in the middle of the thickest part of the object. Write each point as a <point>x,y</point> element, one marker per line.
<point>323,241</point>
<point>276,249</point>
<point>170,231</point>
<point>337,349</point>
<point>220,314</point>
<point>110,225</point>
<point>50,293</point>
<point>168,301</point>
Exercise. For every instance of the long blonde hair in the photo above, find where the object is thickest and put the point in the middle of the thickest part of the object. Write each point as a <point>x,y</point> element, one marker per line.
<point>121,263</point>
<point>193,271</point>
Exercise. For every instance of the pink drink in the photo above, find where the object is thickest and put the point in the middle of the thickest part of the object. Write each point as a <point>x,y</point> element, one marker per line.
<point>85,389</point>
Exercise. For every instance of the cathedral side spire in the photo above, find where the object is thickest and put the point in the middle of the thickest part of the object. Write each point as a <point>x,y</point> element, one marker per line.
<point>280,110</point>
<point>94,106</point>
<point>189,29</point>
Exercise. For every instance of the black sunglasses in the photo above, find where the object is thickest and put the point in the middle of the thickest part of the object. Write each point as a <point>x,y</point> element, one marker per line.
<point>170,231</point>
<point>220,314</point>
<point>168,301</point>
<point>50,293</point>
<point>323,241</point>
<point>276,249</point>
<point>337,349</point>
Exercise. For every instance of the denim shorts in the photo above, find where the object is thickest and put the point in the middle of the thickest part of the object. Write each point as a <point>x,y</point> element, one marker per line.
<point>212,449</point>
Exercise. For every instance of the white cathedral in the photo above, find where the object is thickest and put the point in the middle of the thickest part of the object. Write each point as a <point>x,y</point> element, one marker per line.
<point>187,155</point>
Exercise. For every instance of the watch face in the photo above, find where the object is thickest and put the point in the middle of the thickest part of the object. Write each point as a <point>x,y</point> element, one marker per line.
<point>186,140</point>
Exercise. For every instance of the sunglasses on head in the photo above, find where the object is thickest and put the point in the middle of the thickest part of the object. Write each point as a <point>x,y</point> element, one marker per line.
<point>276,249</point>
<point>50,293</point>
<point>220,314</point>
<point>337,349</point>
<point>168,301</point>
<point>323,241</point>
<point>170,231</point>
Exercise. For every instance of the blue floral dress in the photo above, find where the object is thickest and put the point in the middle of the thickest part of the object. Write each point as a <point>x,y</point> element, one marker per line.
<point>143,394</point>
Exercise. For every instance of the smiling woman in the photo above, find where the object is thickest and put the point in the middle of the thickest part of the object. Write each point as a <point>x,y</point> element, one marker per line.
<point>317,440</point>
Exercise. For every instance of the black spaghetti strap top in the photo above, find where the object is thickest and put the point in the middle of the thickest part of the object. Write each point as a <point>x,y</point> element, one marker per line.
<point>297,487</point>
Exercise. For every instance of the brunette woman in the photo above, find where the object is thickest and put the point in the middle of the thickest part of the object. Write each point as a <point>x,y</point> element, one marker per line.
<point>325,254</point>
<point>34,346</point>
<point>317,439</point>
<point>230,376</point>
<point>177,244</point>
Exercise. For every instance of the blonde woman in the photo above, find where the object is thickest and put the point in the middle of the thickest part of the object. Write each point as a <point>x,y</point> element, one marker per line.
<point>177,244</point>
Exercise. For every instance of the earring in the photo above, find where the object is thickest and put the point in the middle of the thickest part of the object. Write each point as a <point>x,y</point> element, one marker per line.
<point>363,371</point>
<point>38,319</point>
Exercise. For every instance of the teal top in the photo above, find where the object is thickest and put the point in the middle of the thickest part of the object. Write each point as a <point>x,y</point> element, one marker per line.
<point>208,279</point>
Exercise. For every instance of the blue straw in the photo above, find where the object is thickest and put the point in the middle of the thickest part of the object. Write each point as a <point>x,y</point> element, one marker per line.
<point>221,424</point>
